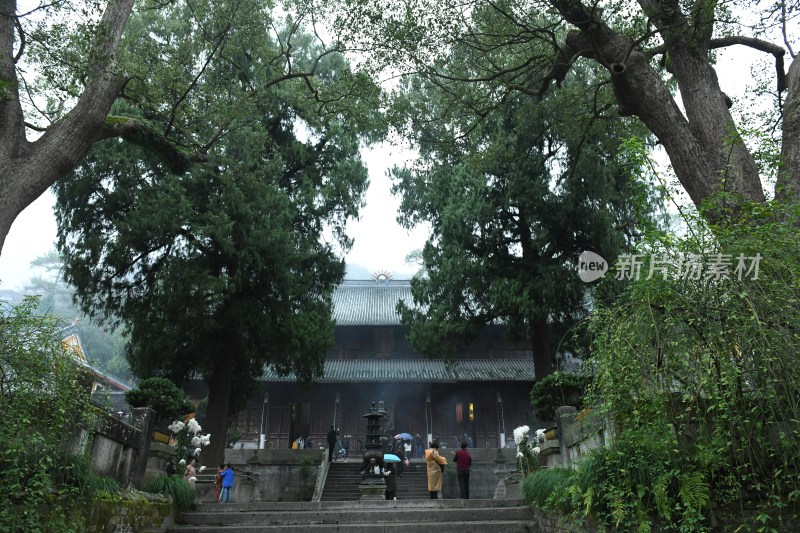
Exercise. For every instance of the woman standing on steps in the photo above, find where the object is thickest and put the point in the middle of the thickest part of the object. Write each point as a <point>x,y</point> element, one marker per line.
<point>390,473</point>
<point>435,469</point>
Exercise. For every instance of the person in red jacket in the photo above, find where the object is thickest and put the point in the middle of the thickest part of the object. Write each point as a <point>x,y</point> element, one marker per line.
<point>463,461</point>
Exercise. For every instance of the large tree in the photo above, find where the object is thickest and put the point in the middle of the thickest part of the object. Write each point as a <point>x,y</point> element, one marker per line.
<point>62,68</point>
<point>646,48</point>
<point>231,266</point>
<point>512,201</point>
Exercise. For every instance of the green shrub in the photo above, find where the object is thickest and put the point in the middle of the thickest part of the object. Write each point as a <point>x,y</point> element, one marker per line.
<point>76,471</point>
<point>162,396</point>
<point>182,494</point>
<point>555,390</point>
<point>44,404</point>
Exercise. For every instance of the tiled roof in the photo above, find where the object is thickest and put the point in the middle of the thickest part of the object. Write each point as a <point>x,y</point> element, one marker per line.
<point>416,370</point>
<point>366,303</point>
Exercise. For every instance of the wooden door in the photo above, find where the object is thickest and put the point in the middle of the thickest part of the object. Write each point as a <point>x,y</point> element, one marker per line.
<point>280,426</point>
<point>486,426</point>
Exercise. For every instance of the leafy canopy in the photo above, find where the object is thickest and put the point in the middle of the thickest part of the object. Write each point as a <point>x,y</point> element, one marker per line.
<point>514,189</point>
<point>230,266</point>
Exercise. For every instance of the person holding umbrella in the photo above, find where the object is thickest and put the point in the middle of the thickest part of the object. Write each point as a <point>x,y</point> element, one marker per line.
<point>390,473</point>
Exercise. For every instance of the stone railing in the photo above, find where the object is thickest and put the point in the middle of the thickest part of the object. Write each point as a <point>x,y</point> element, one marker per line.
<point>576,432</point>
<point>119,447</point>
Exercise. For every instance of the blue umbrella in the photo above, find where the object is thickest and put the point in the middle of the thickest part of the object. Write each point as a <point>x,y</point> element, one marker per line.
<point>390,458</point>
<point>404,436</point>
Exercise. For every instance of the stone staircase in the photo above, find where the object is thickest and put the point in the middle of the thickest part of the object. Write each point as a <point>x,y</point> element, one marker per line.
<point>344,477</point>
<point>374,516</point>
<point>342,482</point>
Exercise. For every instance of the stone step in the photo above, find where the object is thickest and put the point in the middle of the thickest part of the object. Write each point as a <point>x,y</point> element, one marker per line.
<point>343,479</point>
<point>442,516</point>
<point>361,505</point>
<point>489,526</point>
<point>343,516</point>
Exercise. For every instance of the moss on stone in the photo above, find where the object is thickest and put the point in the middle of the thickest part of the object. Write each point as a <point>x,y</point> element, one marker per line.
<point>132,511</point>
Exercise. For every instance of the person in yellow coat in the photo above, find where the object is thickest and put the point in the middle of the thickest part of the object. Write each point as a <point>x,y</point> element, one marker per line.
<point>435,469</point>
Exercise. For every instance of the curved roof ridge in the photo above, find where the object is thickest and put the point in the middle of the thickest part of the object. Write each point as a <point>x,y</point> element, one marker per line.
<point>369,303</point>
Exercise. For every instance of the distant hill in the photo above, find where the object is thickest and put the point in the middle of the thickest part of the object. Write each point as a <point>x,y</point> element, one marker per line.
<point>359,272</point>
<point>12,297</point>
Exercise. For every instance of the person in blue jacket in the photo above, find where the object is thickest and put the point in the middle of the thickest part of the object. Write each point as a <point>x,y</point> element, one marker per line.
<point>227,484</point>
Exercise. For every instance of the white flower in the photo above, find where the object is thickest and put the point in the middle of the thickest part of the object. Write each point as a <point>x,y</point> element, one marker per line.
<point>195,441</point>
<point>205,440</point>
<point>520,433</point>
<point>202,468</point>
<point>536,450</point>
<point>182,462</point>
<point>196,452</point>
<point>192,478</point>
<point>176,426</point>
<point>194,427</point>
<point>520,455</point>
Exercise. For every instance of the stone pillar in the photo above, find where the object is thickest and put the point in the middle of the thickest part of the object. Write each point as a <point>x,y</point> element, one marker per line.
<point>564,416</point>
<point>143,419</point>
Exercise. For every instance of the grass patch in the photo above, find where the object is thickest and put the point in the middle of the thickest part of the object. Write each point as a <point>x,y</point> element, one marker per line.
<point>175,486</point>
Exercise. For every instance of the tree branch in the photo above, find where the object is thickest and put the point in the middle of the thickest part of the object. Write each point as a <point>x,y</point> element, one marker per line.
<point>22,40</point>
<point>142,133</point>
<point>752,42</point>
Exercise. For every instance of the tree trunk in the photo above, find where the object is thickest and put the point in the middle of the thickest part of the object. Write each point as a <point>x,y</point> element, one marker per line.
<point>30,168</point>
<point>703,144</point>
<point>542,353</point>
<point>216,423</point>
<point>787,187</point>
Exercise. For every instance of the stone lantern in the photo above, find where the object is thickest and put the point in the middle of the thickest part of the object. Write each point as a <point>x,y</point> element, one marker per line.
<point>373,486</point>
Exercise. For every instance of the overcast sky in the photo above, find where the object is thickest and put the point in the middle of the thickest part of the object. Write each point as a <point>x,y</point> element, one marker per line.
<point>381,245</point>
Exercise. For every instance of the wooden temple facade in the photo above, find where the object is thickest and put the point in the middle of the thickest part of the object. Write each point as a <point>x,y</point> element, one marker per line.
<point>483,395</point>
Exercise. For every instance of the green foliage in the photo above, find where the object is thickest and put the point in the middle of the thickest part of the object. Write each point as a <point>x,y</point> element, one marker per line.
<point>637,482</point>
<point>507,223</point>
<point>698,376</point>
<point>72,470</point>
<point>161,395</point>
<point>542,485</point>
<point>44,406</point>
<point>555,390</point>
<point>230,266</point>
<point>182,494</point>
